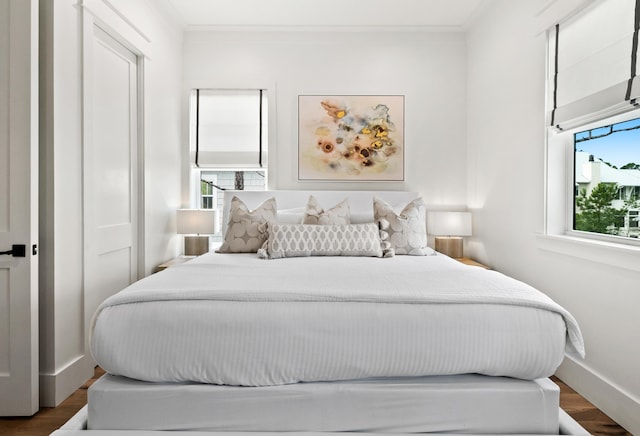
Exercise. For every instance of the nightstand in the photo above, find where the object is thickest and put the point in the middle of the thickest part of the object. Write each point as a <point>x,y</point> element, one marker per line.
<point>468,261</point>
<point>173,262</point>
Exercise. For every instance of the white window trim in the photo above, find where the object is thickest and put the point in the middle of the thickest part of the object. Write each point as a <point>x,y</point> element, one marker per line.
<point>602,252</point>
<point>558,236</point>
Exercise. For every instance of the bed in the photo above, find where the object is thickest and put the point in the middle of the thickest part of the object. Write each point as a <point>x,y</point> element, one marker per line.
<point>309,334</point>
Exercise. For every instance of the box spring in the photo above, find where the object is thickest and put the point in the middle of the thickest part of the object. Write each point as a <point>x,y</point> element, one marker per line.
<point>436,404</point>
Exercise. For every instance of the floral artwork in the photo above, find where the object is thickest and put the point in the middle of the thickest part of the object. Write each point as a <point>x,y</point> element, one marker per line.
<point>351,137</point>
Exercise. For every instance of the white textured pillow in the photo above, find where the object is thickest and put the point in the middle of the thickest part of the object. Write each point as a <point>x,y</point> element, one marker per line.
<point>244,234</point>
<point>301,240</point>
<point>407,230</point>
<point>314,214</point>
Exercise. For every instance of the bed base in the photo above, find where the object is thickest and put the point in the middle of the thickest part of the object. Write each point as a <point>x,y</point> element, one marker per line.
<point>468,403</point>
<point>77,426</point>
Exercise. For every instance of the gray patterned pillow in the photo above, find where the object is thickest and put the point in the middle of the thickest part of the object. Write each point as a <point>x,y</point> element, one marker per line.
<point>407,230</point>
<point>339,214</point>
<point>301,240</point>
<point>244,234</point>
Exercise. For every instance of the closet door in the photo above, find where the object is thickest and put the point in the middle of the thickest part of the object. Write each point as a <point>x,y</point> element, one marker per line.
<point>111,166</point>
<point>19,387</point>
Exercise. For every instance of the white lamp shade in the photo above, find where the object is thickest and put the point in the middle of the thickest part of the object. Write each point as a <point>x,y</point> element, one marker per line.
<point>441,223</point>
<point>198,221</point>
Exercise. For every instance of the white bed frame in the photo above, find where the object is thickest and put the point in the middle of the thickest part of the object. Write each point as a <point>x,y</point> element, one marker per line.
<point>359,201</point>
<point>77,426</point>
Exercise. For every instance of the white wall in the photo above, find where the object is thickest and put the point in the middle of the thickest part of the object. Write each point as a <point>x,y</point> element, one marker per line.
<point>64,360</point>
<point>506,185</point>
<point>427,68</point>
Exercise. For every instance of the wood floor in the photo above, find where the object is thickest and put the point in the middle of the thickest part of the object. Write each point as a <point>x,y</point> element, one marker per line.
<point>585,413</point>
<point>47,420</point>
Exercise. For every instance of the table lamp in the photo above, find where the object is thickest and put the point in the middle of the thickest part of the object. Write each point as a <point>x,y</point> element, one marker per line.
<point>197,224</point>
<point>448,227</point>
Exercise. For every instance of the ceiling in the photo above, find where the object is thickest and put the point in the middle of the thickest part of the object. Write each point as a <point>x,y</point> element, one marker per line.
<point>239,14</point>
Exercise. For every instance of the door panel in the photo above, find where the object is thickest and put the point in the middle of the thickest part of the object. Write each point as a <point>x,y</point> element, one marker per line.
<point>18,207</point>
<point>5,324</point>
<point>4,116</point>
<point>110,167</point>
<point>112,137</point>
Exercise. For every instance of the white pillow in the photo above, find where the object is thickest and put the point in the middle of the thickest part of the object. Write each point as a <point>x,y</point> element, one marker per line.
<point>301,240</point>
<point>291,216</point>
<point>244,233</point>
<point>407,230</point>
<point>361,216</point>
<point>338,214</point>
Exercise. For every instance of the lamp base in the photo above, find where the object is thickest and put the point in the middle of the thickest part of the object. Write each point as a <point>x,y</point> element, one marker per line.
<point>196,245</point>
<point>450,246</point>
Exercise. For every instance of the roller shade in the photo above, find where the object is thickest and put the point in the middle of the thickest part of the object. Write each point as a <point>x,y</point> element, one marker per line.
<point>593,63</point>
<point>228,128</point>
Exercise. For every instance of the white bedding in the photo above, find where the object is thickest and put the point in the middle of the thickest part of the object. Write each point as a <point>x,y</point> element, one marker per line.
<point>235,319</point>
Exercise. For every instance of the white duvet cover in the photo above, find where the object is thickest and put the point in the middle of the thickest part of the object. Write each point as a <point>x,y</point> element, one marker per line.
<point>235,319</point>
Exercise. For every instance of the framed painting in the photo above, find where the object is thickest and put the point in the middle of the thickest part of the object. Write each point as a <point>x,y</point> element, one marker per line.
<point>351,137</point>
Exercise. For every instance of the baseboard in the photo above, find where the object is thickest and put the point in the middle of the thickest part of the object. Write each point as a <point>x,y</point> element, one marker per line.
<point>613,401</point>
<point>55,388</point>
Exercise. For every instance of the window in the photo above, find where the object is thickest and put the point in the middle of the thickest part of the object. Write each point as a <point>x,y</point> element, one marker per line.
<point>228,143</point>
<point>228,128</point>
<point>208,192</point>
<point>607,178</point>
<point>214,183</point>
<point>593,138</point>
<point>634,224</point>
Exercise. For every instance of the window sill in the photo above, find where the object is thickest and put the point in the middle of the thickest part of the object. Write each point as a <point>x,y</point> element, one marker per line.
<point>603,252</point>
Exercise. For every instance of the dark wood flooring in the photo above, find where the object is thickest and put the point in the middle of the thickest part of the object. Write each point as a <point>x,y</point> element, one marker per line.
<point>586,414</point>
<point>48,419</point>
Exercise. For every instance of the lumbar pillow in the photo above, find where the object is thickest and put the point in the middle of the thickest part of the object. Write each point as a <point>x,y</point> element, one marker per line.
<point>244,234</point>
<point>298,240</point>
<point>407,231</point>
<point>314,214</point>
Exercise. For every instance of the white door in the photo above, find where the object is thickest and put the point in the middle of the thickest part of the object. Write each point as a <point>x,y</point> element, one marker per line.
<point>18,207</point>
<point>111,167</point>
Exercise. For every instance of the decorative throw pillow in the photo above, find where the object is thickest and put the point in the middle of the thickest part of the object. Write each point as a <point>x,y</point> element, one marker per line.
<point>244,234</point>
<point>407,230</point>
<point>301,240</point>
<point>339,214</point>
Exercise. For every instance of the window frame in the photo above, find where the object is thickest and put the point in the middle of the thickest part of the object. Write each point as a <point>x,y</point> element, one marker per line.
<point>558,235</point>
<point>558,178</point>
<point>570,188</point>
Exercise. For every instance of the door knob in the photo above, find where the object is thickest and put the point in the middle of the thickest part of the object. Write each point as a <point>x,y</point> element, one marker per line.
<point>16,251</point>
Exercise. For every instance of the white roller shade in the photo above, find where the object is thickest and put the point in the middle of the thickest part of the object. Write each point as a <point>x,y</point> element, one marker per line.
<point>593,56</point>
<point>228,128</point>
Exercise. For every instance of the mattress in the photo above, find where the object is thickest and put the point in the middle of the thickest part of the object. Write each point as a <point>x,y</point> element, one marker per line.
<point>234,319</point>
<point>461,404</point>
